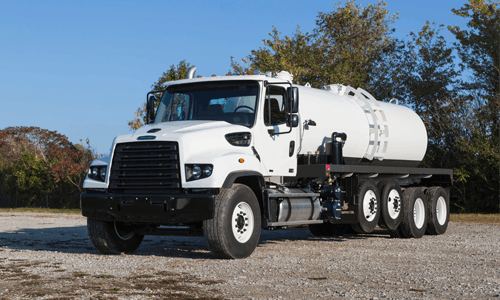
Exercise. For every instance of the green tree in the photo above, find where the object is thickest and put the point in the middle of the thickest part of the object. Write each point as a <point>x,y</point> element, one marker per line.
<point>174,73</point>
<point>425,78</point>
<point>33,161</point>
<point>29,178</point>
<point>478,47</point>
<point>345,46</point>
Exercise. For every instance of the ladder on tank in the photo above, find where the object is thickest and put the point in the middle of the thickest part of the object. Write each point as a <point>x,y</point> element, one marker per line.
<point>377,120</point>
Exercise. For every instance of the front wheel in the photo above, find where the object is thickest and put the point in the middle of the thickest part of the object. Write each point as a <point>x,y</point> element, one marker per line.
<point>234,231</point>
<point>110,237</point>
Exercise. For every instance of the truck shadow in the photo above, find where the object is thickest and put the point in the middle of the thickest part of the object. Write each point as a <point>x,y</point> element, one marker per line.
<point>74,240</point>
<point>304,235</point>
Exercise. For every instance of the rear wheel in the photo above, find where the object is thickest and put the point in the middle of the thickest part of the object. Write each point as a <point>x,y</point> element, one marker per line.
<point>438,207</point>
<point>414,222</point>
<point>396,233</point>
<point>234,231</point>
<point>110,237</point>
<point>368,207</point>
<point>390,204</point>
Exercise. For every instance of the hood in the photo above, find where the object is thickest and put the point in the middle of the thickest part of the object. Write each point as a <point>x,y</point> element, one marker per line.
<point>198,139</point>
<point>163,130</point>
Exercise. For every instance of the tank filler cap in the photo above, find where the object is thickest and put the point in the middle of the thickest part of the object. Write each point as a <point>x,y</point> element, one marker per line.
<point>284,75</point>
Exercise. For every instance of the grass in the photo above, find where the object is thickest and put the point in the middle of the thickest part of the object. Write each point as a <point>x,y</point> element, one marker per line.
<point>42,210</point>
<point>493,219</point>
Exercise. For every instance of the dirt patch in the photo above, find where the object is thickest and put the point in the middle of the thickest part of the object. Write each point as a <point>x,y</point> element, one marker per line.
<point>18,281</point>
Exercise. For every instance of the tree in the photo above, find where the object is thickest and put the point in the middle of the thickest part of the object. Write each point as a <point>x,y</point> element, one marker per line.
<point>478,47</point>
<point>34,160</point>
<point>345,46</point>
<point>174,73</point>
<point>425,77</point>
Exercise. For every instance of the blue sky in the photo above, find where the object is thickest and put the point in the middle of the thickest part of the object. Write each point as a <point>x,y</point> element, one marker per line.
<point>82,68</point>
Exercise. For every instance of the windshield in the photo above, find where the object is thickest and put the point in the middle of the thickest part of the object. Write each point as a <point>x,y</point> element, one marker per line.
<point>234,102</point>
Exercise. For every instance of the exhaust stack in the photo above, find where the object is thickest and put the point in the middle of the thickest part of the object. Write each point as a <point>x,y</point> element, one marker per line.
<point>190,72</point>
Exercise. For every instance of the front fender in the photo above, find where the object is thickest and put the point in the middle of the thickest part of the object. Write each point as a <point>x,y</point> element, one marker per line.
<point>223,166</point>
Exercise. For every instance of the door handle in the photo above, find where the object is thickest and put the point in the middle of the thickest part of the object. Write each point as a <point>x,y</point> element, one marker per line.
<point>291,149</point>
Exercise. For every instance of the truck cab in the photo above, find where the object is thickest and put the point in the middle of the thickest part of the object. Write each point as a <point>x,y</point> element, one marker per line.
<point>207,135</point>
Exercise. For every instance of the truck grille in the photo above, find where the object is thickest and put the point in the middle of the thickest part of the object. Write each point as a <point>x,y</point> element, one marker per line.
<point>146,168</point>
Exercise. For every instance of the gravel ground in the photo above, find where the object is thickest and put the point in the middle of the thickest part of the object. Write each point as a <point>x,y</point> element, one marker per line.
<point>49,256</point>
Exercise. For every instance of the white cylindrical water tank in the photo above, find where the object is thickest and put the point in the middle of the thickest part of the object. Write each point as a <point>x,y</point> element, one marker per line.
<point>378,133</point>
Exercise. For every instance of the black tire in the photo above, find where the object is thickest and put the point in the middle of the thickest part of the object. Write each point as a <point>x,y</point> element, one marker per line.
<point>110,237</point>
<point>390,204</point>
<point>438,210</point>
<point>328,229</point>
<point>396,233</point>
<point>224,242</point>
<point>414,209</point>
<point>368,210</point>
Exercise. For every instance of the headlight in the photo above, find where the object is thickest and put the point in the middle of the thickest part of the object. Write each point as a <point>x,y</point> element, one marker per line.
<point>102,173</point>
<point>207,171</point>
<point>198,171</point>
<point>95,172</point>
<point>241,139</point>
<point>98,173</point>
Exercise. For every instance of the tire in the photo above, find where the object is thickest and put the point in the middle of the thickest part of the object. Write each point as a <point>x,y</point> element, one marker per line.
<point>328,229</point>
<point>234,231</point>
<point>110,237</point>
<point>396,233</point>
<point>390,204</point>
<point>438,208</point>
<point>368,207</point>
<point>414,222</point>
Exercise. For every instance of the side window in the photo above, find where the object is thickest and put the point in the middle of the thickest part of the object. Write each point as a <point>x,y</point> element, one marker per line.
<point>274,106</point>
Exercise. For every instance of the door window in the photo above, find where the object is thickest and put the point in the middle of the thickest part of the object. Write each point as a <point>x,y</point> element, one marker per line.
<point>274,106</point>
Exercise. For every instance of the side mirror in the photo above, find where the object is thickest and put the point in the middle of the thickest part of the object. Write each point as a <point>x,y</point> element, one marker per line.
<point>150,109</point>
<point>293,98</point>
<point>294,120</point>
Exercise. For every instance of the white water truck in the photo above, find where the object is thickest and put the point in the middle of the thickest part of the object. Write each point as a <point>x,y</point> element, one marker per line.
<point>225,157</point>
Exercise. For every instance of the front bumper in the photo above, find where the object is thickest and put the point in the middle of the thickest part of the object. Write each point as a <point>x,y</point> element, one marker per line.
<point>159,209</point>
